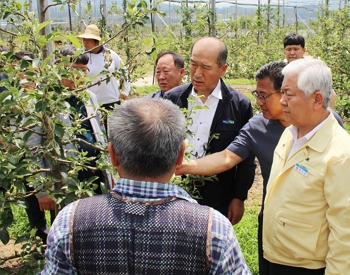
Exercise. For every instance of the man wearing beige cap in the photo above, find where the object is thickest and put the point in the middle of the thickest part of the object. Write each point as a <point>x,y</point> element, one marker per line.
<point>102,59</point>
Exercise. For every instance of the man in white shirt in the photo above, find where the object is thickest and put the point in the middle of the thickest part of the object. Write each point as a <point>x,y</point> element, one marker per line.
<point>104,59</point>
<point>226,111</point>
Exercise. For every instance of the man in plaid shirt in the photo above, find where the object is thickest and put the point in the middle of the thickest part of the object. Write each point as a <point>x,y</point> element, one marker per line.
<point>146,225</point>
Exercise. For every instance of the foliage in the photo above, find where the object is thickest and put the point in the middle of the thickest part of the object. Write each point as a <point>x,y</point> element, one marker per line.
<point>31,107</point>
<point>192,183</point>
<point>331,43</point>
<point>247,234</point>
<point>253,41</point>
<point>146,90</point>
<point>25,110</point>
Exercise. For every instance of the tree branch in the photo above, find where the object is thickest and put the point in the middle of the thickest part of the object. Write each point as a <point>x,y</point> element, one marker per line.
<point>8,32</point>
<point>49,6</point>
<point>88,143</point>
<point>64,161</point>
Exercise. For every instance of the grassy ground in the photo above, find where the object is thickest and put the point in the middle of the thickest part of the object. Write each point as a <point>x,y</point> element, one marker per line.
<point>247,234</point>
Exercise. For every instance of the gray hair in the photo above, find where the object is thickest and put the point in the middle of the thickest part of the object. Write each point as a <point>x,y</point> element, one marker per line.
<point>313,75</point>
<point>147,135</point>
<point>67,50</point>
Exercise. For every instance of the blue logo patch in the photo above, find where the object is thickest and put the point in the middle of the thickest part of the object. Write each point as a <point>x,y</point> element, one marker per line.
<point>228,121</point>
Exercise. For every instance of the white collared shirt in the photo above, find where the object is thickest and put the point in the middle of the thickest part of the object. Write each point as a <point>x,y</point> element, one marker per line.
<point>298,143</point>
<point>202,120</point>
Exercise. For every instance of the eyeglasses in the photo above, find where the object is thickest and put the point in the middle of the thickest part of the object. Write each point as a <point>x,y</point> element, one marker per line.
<point>262,97</point>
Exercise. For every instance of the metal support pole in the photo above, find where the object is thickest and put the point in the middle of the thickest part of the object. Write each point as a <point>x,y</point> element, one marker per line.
<point>236,11</point>
<point>213,17</point>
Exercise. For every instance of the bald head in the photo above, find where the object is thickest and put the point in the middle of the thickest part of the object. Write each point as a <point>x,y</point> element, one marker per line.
<point>213,45</point>
<point>207,65</point>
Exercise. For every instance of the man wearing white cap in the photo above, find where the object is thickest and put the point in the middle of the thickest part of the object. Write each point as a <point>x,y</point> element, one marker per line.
<point>103,59</point>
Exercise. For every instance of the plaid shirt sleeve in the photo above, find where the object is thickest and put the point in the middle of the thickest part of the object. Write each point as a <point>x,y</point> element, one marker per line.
<point>225,253</point>
<point>57,254</point>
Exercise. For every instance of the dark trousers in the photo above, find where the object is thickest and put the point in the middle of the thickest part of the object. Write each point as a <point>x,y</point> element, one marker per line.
<point>110,107</point>
<point>263,263</point>
<point>276,269</point>
<point>36,217</point>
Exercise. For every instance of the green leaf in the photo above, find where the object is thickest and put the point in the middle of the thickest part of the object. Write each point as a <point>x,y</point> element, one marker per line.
<point>20,186</point>
<point>200,107</point>
<point>90,193</point>
<point>59,130</point>
<point>36,62</point>
<point>3,119</point>
<point>4,94</point>
<point>23,270</point>
<point>6,217</point>
<point>21,203</point>
<point>29,73</point>
<point>69,198</point>
<point>92,179</point>
<point>6,14</point>
<point>21,239</point>
<point>10,166</point>
<point>104,188</point>
<point>41,26</point>
<point>41,41</point>
<point>27,135</point>
<point>29,122</point>
<point>4,236</point>
<point>75,41</point>
<point>40,106</point>
<point>4,271</point>
<point>72,187</point>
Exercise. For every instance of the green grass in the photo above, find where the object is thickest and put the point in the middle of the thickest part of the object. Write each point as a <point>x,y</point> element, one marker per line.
<point>20,225</point>
<point>240,81</point>
<point>152,88</point>
<point>247,234</point>
<point>347,127</point>
<point>145,90</point>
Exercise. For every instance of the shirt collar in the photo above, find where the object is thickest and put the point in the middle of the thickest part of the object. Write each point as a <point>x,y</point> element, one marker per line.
<point>215,93</point>
<point>149,191</point>
<point>308,136</point>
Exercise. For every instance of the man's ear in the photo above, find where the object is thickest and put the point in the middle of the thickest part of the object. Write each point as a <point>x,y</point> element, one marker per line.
<point>223,69</point>
<point>181,154</point>
<point>319,98</point>
<point>182,72</point>
<point>114,158</point>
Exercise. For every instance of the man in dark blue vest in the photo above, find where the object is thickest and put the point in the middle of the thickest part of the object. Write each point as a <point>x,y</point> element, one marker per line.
<point>146,225</point>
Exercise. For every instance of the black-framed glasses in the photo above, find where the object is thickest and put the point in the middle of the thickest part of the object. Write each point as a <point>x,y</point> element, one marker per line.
<point>262,97</point>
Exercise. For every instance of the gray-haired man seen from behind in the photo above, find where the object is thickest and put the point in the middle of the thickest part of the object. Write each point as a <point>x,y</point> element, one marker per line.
<point>146,225</point>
